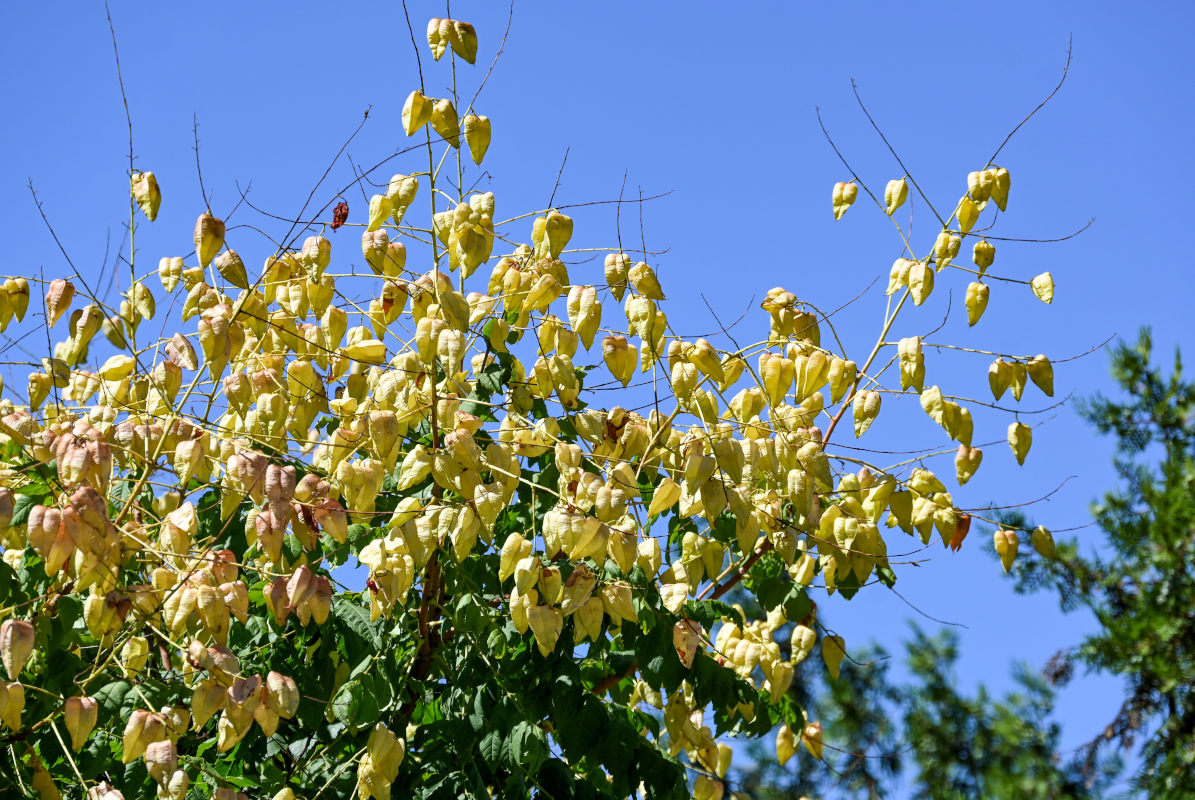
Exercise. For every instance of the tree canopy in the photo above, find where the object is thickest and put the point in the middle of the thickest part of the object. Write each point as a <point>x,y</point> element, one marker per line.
<point>548,507</point>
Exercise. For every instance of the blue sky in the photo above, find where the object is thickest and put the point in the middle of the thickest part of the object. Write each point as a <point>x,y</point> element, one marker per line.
<point>715,104</point>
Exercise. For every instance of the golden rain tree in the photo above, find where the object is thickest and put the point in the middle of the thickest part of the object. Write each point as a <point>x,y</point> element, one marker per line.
<point>540,609</point>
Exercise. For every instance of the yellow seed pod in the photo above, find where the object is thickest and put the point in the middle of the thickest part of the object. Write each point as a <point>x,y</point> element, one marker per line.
<point>1043,542</point>
<point>546,623</point>
<point>1000,375</point>
<point>895,194</point>
<point>445,121</point>
<point>617,266</point>
<point>786,746</point>
<point>921,282</point>
<point>912,363</point>
<point>841,376</point>
<point>966,462</point>
<point>477,135</point>
<point>135,655</point>
<point>811,737</point>
<point>983,254</point>
<point>39,388</point>
<point>558,229</point>
<point>463,39</point>
<point>968,214</point>
<point>1043,287</point>
<point>898,276</point>
<point>147,194</point>
<point>1041,372</point>
<point>1001,182</point>
<point>416,112</point>
<point>843,196</point>
<point>979,186</point>
<point>946,248</point>
<point>439,35</point>
<point>401,191</point>
<point>1020,374</point>
<point>976,301</point>
<point>17,290</point>
<point>1006,543</point>
<point>705,787</point>
<point>1020,438</point>
<point>379,210</point>
<point>643,279</point>
<point>209,237</point>
<point>232,268</point>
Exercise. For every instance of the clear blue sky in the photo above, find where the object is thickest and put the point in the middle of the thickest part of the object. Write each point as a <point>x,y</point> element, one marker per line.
<point>715,103</point>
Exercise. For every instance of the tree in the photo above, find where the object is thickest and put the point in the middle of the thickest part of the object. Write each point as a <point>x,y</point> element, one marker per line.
<point>1138,583</point>
<point>544,576</point>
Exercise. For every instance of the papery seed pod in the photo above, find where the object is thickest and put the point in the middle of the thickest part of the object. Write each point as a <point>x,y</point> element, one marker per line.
<point>282,695</point>
<point>617,266</point>
<point>463,40</point>
<point>866,407</point>
<point>147,194</point>
<point>445,122</point>
<point>620,357</point>
<point>1001,183</point>
<point>379,210</point>
<point>1006,543</point>
<point>16,645</point>
<point>968,214</point>
<point>161,760</point>
<point>1000,375</point>
<point>966,463</point>
<point>895,194</point>
<point>17,290</point>
<point>1041,372</point>
<point>921,282</point>
<point>833,651</point>
<point>843,196</point>
<point>439,33</point>
<point>946,247</point>
<point>979,185</point>
<point>134,656</point>
<point>209,237</point>
<point>1020,437</point>
<point>232,268</point>
<point>58,299</point>
<point>80,714</point>
<point>983,254</point>
<point>558,231</point>
<point>1020,375</point>
<point>811,737</point>
<point>643,279</point>
<point>898,276</point>
<point>1043,287</point>
<point>546,623</point>
<point>1043,543</point>
<point>401,192</point>
<point>477,135</point>
<point>976,301</point>
<point>416,112</point>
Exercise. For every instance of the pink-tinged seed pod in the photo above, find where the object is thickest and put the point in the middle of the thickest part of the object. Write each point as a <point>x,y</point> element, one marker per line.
<point>80,715</point>
<point>58,299</point>
<point>16,645</point>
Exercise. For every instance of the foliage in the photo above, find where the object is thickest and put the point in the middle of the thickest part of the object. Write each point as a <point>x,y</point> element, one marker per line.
<point>924,738</point>
<point>182,514</point>
<point>1138,582</point>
